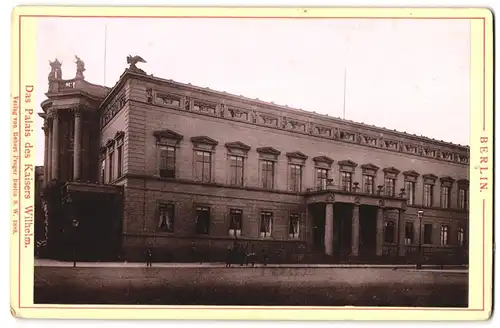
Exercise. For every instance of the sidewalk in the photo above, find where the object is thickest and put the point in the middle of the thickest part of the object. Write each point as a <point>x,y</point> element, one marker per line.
<point>425,268</point>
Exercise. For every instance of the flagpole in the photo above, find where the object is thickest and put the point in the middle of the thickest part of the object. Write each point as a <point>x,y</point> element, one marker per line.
<point>345,76</point>
<point>105,48</point>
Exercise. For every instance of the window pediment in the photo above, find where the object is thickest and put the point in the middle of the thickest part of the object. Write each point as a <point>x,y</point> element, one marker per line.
<point>370,169</point>
<point>447,181</point>
<point>119,135</point>
<point>238,145</point>
<point>411,173</point>
<point>204,143</point>
<point>167,134</point>
<point>391,170</point>
<point>429,178</point>
<point>297,155</point>
<point>463,183</point>
<point>269,151</point>
<point>323,159</point>
<point>347,162</point>
<point>110,143</point>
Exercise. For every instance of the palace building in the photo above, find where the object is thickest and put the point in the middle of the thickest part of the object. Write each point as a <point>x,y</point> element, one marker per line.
<point>183,170</point>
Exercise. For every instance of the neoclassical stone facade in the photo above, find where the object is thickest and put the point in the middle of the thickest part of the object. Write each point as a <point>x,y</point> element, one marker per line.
<point>189,170</point>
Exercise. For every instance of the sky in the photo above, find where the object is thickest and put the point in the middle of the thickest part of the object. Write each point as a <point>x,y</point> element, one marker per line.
<point>408,75</point>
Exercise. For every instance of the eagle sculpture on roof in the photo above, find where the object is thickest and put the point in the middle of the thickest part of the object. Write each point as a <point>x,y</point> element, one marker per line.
<point>132,60</point>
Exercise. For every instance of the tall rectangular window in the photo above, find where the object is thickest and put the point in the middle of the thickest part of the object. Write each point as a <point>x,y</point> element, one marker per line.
<point>445,197</point>
<point>110,166</point>
<point>462,199</point>
<point>236,218</point>
<point>390,187</point>
<point>428,195</point>
<point>294,226</point>
<point>410,192</point>
<point>203,166</point>
<point>368,185</point>
<point>295,177</point>
<point>409,233</point>
<point>267,171</point>
<point>389,229</point>
<point>166,217</point>
<point>236,170</point>
<point>321,178</point>
<point>266,224</point>
<point>346,180</point>
<point>102,172</point>
<point>444,234</point>
<point>461,237</point>
<point>202,220</point>
<point>119,154</point>
<point>427,233</point>
<point>167,162</point>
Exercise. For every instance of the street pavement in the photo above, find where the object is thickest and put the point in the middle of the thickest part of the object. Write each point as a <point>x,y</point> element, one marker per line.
<point>213,284</point>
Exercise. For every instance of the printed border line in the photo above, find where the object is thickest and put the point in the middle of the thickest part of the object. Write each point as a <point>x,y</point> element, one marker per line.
<point>247,308</point>
<point>21,122</point>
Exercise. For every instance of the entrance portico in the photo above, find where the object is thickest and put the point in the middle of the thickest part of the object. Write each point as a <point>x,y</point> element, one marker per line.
<point>349,225</point>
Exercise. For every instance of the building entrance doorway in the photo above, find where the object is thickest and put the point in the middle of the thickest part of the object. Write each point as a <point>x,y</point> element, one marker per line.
<point>367,231</point>
<point>342,233</point>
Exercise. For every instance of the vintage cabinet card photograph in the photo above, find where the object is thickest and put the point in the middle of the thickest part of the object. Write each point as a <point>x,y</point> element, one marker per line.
<point>252,163</point>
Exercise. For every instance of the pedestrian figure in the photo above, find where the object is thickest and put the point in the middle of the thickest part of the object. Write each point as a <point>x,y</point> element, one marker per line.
<point>229,257</point>
<point>149,256</point>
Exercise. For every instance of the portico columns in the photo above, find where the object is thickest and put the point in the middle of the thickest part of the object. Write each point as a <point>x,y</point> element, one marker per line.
<point>49,150</point>
<point>46,154</point>
<point>55,146</point>
<point>380,231</point>
<point>77,146</point>
<point>329,227</point>
<point>401,239</point>
<point>355,231</point>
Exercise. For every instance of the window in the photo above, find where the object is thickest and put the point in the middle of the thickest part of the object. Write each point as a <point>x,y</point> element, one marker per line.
<point>267,174</point>
<point>462,199</point>
<point>166,219</point>
<point>427,233</point>
<point>202,220</point>
<point>295,177</point>
<point>389,229</point>
<point>346,180</point>
<point>390,187</point>
<point>236,170</point>
<point>235,217</point>
<point>428,194</point>
<point>119,154</point>
<point>409,233</point>
<point>410,192</point>
<point>102,173</point>
<point>266,224</point>
<point>321,178</point>
<point>368,184</point>
<point>203,165</point>
<point>294,225</point>
<point>461,237</point>
<point>444,235</point>
<point>167,162</point>
<point>110,167</point>
<point>445,197</point>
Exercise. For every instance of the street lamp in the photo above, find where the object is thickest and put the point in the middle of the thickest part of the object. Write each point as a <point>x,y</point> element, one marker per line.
<point>420,215</point>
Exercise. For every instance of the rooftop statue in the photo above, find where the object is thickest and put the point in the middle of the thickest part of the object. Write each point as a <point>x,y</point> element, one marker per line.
<point>55,70</point>
<point>80,67</point>
<point>134,60</point>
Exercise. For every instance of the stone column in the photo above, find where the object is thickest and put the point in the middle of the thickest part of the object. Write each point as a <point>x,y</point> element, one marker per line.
<point>329,229</point>
<point>380,231</point>
<point>355,231</point>
<point>77,147</point>
<point>55,147</point>
<point>49,150</point>
<point>46,154</point>
<point>401,239</point>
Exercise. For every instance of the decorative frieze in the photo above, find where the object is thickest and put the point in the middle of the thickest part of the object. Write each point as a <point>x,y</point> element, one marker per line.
<point>168,99</point>
<point>347,136</point>
<point>205,107</point>
<point>113,108</point>
<point>269,120</point>
<point>237,113</point>
<point>323,131</point>
<point>292,124</point>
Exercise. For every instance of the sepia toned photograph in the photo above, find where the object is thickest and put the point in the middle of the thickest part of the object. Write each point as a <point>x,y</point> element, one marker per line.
<point>294,162</point>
